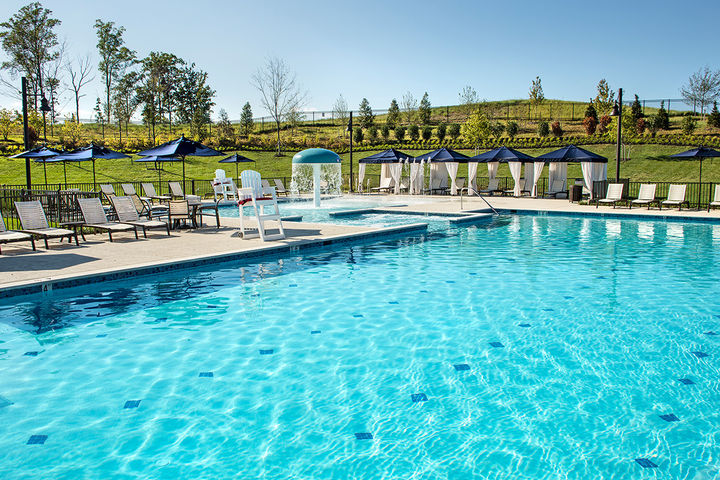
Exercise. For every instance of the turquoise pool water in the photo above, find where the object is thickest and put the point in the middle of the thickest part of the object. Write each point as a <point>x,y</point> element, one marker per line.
<point>532,348</point>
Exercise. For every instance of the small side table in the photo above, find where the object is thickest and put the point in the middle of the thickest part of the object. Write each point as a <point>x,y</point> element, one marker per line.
<point>76,227</point>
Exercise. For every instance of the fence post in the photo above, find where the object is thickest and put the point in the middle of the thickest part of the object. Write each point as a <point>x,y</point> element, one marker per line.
<point>192,186</point>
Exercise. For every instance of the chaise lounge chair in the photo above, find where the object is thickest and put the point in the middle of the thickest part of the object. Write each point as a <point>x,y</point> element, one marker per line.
<point>34,222</point>
<point>676,196</point>
<point>261,198</point>
<point>94,216</point>
<point>613,196</point>
<point>279,187</point>
<point>646,195</point>
<point>716,198</point>
<point>384,185</point>
<point>8,236</point>
<point>127,213</point>
<point>150,193</point>
<point>177,192</point>
<point>493,186</point>
<point>557,187</point>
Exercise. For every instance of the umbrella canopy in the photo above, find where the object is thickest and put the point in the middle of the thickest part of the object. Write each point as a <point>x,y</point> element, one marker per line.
<point>388,156</point>
<point>235,158</point>
<point>40,154</point>
<point>699,153</point>
<point>443,155</point>
<point>503,155</point>
<point>157,160</point>
<point>181,147</point>
<point>571,153</point>
<point>91,153</point>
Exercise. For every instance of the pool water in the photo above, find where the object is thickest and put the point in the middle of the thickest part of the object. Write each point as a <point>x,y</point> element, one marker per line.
<point>533,347</point>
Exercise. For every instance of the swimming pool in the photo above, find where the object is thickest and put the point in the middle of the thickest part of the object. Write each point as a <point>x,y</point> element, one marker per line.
<point>534,347</point>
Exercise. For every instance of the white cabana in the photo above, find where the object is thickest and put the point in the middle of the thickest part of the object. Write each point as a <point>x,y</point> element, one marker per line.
<point>537,171</point>
<point>557,171</point>
<point>396,174</point>
<point>452,169</point>
<point>438,176</point>
<point>472,177</point>
<point>417,178</point>
<point>361,176</point>
<point>516,171</point>
<point>594,166</point>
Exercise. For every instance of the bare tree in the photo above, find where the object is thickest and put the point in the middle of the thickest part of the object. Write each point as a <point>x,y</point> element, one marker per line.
<point>340,110</point>
<point>468,99</point>
<point>80,75</point>
<point>703,88</point>
<point>54,84</point>
<point>279,92</point>
<point>408,104</point>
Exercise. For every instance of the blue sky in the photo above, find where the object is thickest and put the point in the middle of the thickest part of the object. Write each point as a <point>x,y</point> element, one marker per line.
<point>382,49</point>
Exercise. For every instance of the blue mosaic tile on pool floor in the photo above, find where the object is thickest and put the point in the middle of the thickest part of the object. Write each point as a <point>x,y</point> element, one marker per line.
<point>645,463</point>
<point>686,381</point>
<point>700,354</point>
<point>314,332</point>
<point>268,351</point>
<point>524,325</point>
<point>37,439</point>
<point>31,354</point>
<point>363,436</point>
<point>496,345</point>
<point>460,367</point>
<point>206,374</point>
<point>132,404</point>
<point>418,397</point>
<point>670,417</point>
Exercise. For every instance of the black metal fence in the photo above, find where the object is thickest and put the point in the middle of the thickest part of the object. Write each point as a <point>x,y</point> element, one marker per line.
<point>59,205</point>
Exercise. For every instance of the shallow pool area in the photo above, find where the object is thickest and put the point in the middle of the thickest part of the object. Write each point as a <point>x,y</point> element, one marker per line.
<point>528,347</point>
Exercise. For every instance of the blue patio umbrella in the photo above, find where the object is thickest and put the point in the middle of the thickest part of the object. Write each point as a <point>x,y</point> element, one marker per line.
<point>571,153</point>
<point>157,160</point>
<point>181,147</point>
<point>387,156</point>
<point>235,158</point>
<point>699,153</point>
<point>503,155</point>
<point>443,155</point>
<point>40,154</point>
<point>91,153</point>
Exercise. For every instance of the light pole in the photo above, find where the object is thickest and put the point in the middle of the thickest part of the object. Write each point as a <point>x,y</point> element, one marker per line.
<point>617,112</point>
<point>44,107</point>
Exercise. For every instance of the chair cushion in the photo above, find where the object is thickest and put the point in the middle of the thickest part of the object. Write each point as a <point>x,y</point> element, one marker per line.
<point>13,236</point>
<point>249,200</point>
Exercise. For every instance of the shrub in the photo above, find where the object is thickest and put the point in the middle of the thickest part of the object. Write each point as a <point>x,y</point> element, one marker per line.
<point>641,125</point>
<point>688,124</point>
<point>372,134</point>
<point>454,131</point>
<point>512,129</point>
<point>663,117</point>
<point>653,124</point>
<point>385,131</point>
<point>592,113</point>
<point>441,132</point>
<point>400,133</point>
<point>590,125</point>
<point>543,129</point>
<point>497,129</point>
<point>358,136</point>
<point>557,130</point>
<point>426,133</point>
<point>605,120</point>
<point>414,133</point>
<point>714,117</point>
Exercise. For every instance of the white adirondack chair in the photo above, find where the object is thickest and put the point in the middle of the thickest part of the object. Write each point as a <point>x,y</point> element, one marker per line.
<point>264,203</point>
<point>223,187</point>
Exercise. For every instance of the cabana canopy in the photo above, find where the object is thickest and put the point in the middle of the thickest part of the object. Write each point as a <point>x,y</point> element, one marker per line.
<point>443,155</point>
<point>515,159</point>
<point>503,155</point>
<point>594,166</point>
<point>571,153</point>
<point>388,156</point>
<point>699,153</point>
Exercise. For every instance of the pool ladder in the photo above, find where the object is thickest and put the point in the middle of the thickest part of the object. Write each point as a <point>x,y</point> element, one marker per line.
<point>478,194</point>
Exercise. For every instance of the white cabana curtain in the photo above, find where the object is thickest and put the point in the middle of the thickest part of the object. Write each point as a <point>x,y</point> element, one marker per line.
<point>515,171</point>
<point>557,171</point>
<point>593,172</point>
<point>472,177</point>
<point>361,177</point>
<point>438,176</point>
<point>529,175</point>
<point>385,176</point>
<point>537,170</point>
<point>414,173</point>
<point>492,169</point>
<point>452,169</point>
<point>396,173</point>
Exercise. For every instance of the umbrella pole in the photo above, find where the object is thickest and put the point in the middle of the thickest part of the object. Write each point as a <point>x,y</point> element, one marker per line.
<point>45,171</point>
<point>157,165</point>
<point>65,173</point>
<point>237,172</point>
<point>94,181</point>
<point>183,165</point>
<point>700,183</point>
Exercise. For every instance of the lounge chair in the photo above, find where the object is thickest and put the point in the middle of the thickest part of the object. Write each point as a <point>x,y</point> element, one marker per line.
<point>511,191</point>
<point>676,196</point>
<point>8,236</point>
<point>716,198</point>
<point>493,186</point>
<point>261,198</point>
<point>150,193</point>
<point>557,187</point>
<point>147,209</point>
<point>127,213</point>
<point>646,195</point>
<point>613,196</point>
<point>94,216</point>
<point>385,185</point>
<point>107,190</point>
<point>128,189</point>
<point>34,222</point>
<point>279,187</point>
<point>177,192</point>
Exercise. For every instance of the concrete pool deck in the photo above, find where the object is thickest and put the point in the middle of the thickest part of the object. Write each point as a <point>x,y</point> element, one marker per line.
<point>26,271</point>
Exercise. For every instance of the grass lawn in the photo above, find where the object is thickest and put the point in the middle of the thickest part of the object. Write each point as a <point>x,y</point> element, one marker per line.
<point>647,163</point>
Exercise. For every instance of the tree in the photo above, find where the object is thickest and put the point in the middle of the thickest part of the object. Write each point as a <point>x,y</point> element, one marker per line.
<point>497,129</point>
<point>663,118</point>
<point>125,100</point>
<point>604,123</point>
<point>7,123</point>
<point>653,124</point>
<point>688,123</point>
<point>293,118</point>
<point>71,133</point>
<point>590,125</point>
<point>279,92</point>
<point>54,84</point>
<point>543,129</point>
<point>225,130</point>
<point>702,89</point>
<point>385,132</point>
<point>400,133</point>
<point>341,111</point>
<point>468,98</point>
<point>393,115</point>
<point>536,93</point>
<point>414,132</point>
<point>100,115</point>
<point>29,41</point>
<point>591,112</point>
<point>80,75</point>
<point>192,98</point>
<point>408,104</point>
<point>512,129</point>
<point>714,117</point>
<point>426,133</point>
<point>358,136</point>
<point>476,129</point>
<point>158,79</point>
<point>114,56</point>
<point>246,120</point>
<point>557,130</point>
<point>366,114</point>
<point>605,98</point>
<point>424,111</point>
<point>372,133</point>
<point>441,132</point>
<point>636,109</point>
<point>454,131</point>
